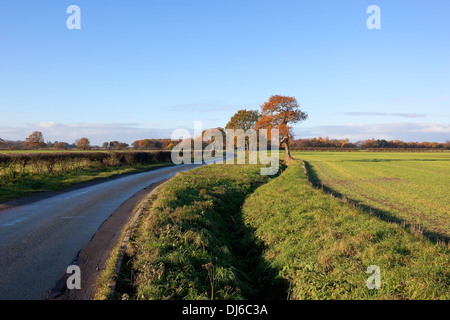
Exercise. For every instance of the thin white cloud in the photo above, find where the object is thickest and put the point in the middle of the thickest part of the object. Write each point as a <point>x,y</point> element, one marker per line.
<point>436,128</point>
<point>409,115</point>
<point>385,114</point>
<point>46,125</point>
<point>437,99</point>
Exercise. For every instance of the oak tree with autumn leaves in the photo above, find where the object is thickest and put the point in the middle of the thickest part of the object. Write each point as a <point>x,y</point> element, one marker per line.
<point>83,144</point>
<point>279,112</point>
<point>35,141</point>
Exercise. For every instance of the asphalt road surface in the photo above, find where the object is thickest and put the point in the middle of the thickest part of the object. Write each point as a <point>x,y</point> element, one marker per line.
<point>38,241</point>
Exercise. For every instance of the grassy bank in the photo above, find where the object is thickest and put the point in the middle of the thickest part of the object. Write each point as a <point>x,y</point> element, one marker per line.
<point>323,246</point>
<point>192,242</point>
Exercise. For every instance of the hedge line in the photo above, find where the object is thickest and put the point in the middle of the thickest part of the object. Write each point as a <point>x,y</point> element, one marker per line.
<point>12,165</point>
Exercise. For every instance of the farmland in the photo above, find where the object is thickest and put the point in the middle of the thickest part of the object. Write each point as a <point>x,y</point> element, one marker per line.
<point>410,189</point>
<point>323,245</point>
<point>226,232</point>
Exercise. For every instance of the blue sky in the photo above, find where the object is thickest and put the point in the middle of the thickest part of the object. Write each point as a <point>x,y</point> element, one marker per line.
<point>139,69</point>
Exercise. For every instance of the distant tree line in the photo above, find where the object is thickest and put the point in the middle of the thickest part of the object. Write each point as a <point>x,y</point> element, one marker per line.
<point>36,142</point>
<point>366,144</point>
<point>153,144</point>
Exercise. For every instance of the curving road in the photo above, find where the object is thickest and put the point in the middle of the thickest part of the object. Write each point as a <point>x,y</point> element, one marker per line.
<point>40,240</point>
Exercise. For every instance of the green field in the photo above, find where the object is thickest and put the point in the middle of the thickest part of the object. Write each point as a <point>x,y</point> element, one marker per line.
<point>323,245</point>
<point>411,189</point>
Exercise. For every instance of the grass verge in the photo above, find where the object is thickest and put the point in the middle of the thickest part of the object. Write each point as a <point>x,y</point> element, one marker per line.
<point>107,281</point>
<point>192,242</point>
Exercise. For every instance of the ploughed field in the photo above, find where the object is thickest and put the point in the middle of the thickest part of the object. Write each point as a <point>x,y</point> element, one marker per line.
<point>408,188</point>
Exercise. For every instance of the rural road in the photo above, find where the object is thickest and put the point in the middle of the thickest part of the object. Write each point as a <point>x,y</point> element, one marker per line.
<point>38,241</point>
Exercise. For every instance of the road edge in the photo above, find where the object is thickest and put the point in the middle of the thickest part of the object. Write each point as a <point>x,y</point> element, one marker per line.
<point>93,258</point>
<point>126,239</point>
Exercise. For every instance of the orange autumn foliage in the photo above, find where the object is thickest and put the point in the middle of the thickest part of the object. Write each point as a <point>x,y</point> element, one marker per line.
<point>279,112</point>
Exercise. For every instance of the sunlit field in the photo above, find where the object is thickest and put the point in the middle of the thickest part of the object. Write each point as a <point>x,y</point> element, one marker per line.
<point>408,188</point>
